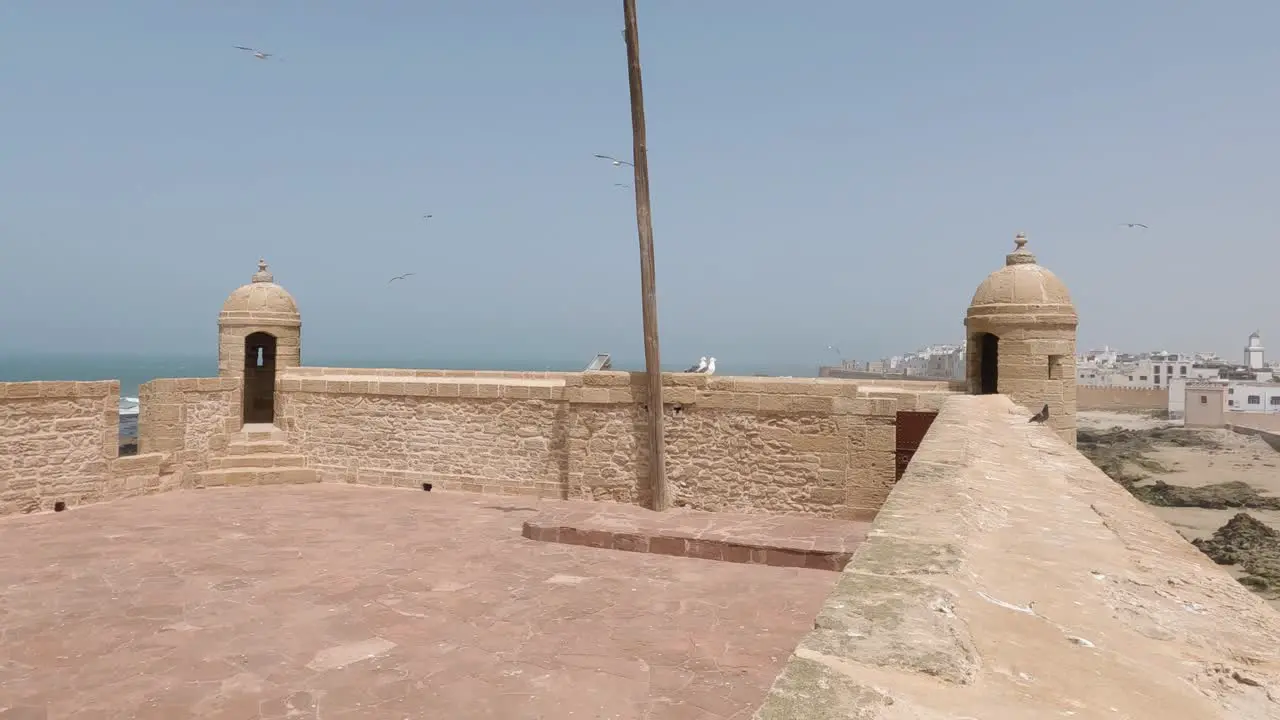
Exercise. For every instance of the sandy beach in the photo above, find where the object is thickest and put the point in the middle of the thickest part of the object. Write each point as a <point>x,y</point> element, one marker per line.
<point>1228,458</point>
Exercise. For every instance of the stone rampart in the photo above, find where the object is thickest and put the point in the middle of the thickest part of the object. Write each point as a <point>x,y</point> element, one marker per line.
<point>1007,577</point>
<point>781,445</point>
<point>1094,397</point>
<point>1269,422</point>
<point>803,445</point>
<point>187,419</point>
<point>59,442</point>
<point>1265,426</point>
<point>403,372</point>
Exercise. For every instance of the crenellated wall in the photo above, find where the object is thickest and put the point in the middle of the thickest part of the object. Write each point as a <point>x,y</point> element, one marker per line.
<point>746,444</point>
<point>756,444</point>
<point>782,445</point>
<point>1007,577</point>
<point>1094,397</point>
<point>59,441</point>
<point>187,419</point>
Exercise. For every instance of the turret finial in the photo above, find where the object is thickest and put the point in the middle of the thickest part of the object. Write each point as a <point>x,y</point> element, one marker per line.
<point>1020,255</point>
<point>263,275</point>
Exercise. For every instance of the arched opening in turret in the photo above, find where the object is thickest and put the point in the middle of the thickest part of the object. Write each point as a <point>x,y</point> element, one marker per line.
<point>259,378</point>
<point>988,364</point>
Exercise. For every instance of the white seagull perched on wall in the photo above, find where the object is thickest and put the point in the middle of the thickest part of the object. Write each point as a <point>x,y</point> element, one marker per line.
<point>702,365</point>
<point>711,367</point>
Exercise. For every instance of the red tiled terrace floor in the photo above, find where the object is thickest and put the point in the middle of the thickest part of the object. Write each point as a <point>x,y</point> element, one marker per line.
<point>343,602</point>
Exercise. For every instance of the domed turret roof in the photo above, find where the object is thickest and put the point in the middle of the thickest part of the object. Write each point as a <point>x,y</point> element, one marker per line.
<point>1022,282</point>
<point>262,301</point>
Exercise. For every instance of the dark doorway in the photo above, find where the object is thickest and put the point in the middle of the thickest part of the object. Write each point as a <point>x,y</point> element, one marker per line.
<point>910,431</point>
<point>259,378</point>
<point>989,365</point>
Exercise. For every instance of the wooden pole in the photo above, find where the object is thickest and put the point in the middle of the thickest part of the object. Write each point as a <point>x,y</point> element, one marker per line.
<point>661,497</point>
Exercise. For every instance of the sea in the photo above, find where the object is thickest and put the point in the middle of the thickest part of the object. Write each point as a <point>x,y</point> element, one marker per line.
<point>134,370</point>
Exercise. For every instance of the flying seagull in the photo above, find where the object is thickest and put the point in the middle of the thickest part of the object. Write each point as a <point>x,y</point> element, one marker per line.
<point>1136,225</point>
<point>261,55</point>
<point>401,277</point>
<point>428,216</point>
<point>702,365</point>
<point>622,185</point>
<point>616,162</point>
<point>1040,416</point>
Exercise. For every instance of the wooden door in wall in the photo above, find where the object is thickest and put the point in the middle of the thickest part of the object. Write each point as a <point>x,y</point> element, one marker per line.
<point>259,393</point>
<point>911,428</point>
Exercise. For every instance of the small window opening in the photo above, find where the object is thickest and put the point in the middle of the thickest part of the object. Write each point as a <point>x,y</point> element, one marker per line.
<point>1055,367</point>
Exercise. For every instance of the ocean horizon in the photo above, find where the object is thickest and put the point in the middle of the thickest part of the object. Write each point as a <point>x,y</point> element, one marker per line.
<point>134,370</point>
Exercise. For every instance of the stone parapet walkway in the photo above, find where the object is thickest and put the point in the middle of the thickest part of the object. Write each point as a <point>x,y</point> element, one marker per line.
<point>779,540</point>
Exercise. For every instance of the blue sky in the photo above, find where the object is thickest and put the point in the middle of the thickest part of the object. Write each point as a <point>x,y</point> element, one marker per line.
<point>823,172</point>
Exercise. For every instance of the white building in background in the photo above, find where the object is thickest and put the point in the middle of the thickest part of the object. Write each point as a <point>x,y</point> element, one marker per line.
<point>1178,389</point>
<point>1154,370</point>
<point>1254,353</point>
<point>1105,356</point>
<point>1259,397</point>
<point>938,361</point>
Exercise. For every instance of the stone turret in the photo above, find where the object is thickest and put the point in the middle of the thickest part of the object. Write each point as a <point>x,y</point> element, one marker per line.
<point>1021,339</point>
<point>260,308</point>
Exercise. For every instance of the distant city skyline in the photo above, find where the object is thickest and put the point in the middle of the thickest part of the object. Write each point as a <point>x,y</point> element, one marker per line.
<point>946,360</point>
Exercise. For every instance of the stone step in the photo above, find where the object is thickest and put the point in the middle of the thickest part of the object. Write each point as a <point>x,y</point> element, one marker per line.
<point>783,540</point>
<point>256,447</point>
<point>259,432</point>
<point>265,460</point>
<point>240,476</point>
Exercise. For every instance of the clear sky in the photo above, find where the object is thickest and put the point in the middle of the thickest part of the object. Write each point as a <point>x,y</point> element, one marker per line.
<point>824,172</point>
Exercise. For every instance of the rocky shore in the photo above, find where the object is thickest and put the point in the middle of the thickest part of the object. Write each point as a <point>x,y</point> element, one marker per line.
<point>1196,479</point>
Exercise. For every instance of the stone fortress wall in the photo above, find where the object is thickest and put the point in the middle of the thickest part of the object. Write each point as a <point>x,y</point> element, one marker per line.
<point>59,442</point>
<point>1092,397</point>
<point>812,446</point>
<point>1259,421</point>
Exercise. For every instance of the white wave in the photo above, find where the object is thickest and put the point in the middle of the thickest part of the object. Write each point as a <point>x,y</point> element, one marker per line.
<point>129,406</point>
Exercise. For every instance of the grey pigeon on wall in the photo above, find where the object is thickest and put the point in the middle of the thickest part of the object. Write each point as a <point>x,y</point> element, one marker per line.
<point>1041,416</point>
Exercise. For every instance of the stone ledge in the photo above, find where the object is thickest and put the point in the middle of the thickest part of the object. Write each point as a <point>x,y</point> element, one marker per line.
<point>1006,576</point>
<point>779,540</point>
<point>144,462</point>
<point>426,373</point>
<point>59,389</point>
<point>483,388</point>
